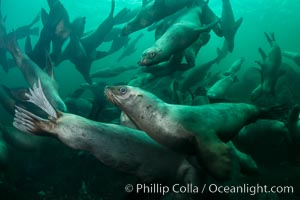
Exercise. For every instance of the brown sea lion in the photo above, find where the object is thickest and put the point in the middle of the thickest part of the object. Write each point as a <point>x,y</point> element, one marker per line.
<point>200,130</point>
<point>125,149</point>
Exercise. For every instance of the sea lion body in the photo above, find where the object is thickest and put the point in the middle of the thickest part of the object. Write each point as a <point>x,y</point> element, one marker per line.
<point>152,11</point>
<point>32,72</point>
<point>221,87</point>
<point>235,67</point>
<point>189,129</point>
<point>122,148</point>
<point>82,50</point>
<point>181,34</point>
<point>294,56</point>
<point>270,69</point>
<point>229,25</point>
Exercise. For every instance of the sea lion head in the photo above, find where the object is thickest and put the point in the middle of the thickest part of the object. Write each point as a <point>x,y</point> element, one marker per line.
<point>78,25</point>
<point>151,56</point>
<point>123,96</point>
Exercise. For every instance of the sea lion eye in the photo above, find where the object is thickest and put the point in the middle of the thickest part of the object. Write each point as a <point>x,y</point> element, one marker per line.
<point>122,90</point>
<point>152,54</point>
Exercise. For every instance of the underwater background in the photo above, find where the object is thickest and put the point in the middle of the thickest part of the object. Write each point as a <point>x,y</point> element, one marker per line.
<point>54,171</point>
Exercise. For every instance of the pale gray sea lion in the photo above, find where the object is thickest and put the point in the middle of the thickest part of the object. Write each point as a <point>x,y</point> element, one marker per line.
<point>229,25</point>
<point>200,130</point>
<point>128,150</point>
<point>294,56</point>
<point>181,34</point>
<point>32,72</point>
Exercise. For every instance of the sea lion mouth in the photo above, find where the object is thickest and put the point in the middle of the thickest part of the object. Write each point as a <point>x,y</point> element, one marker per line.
<point>110,96</point>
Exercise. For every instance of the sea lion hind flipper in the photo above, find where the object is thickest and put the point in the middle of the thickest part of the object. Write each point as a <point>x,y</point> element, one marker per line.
<point>37,97</point>
<point>237,24</point>
<point>262,53</point>
<point>27,121</point>
<point>276,112</point>
<point>215,156</point>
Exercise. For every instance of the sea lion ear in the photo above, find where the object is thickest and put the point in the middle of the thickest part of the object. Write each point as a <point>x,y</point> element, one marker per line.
<point>139,95</point>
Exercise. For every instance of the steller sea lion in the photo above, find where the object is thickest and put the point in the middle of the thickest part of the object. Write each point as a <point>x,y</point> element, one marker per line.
<point>152,11</point>
<point>269,69</point>
<point>294,56</point>
<point>235,67</point>
<point>180,35</point>
<point>229,25</point>
<point>219,90</point>
<point>198,130</point>
<point>32,72</point>
<point>122,148</point>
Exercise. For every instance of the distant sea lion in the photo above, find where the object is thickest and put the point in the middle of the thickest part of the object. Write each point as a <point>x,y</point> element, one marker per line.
<point>269,69</point>
<point>294,56</point>
<point>181,34</point>
<point>128,150</point>
<point>235,67</point>
<point>130,48</point>
<point>229,25</point>
<point>219,90</point>
<point>200,130</point>
<point>82,50</point>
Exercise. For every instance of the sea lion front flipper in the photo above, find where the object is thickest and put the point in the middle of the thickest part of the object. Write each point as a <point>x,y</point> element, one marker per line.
<point>214,155</point>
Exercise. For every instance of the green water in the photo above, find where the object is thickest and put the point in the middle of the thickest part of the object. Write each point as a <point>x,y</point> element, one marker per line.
<point>57,172</point>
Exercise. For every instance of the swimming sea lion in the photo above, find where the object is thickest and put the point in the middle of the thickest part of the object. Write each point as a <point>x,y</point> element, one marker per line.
<point>181,34</point>
<point>228,24</point>
<point>269,69</point>
<point>128,150</point>
<point>130,48</point>
<point>294,56</point>
<point>235,67</point>
<point>196,74</point>
<point>32,72</point>
<point>152,11</point>
<point>200,130</point>
<point>82,51</point>
<point>219,90</point>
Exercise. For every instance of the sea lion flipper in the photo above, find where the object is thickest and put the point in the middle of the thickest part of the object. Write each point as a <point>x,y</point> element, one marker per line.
<point>237,24</point>
<point>215,156</point>
<point>36,96</point>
